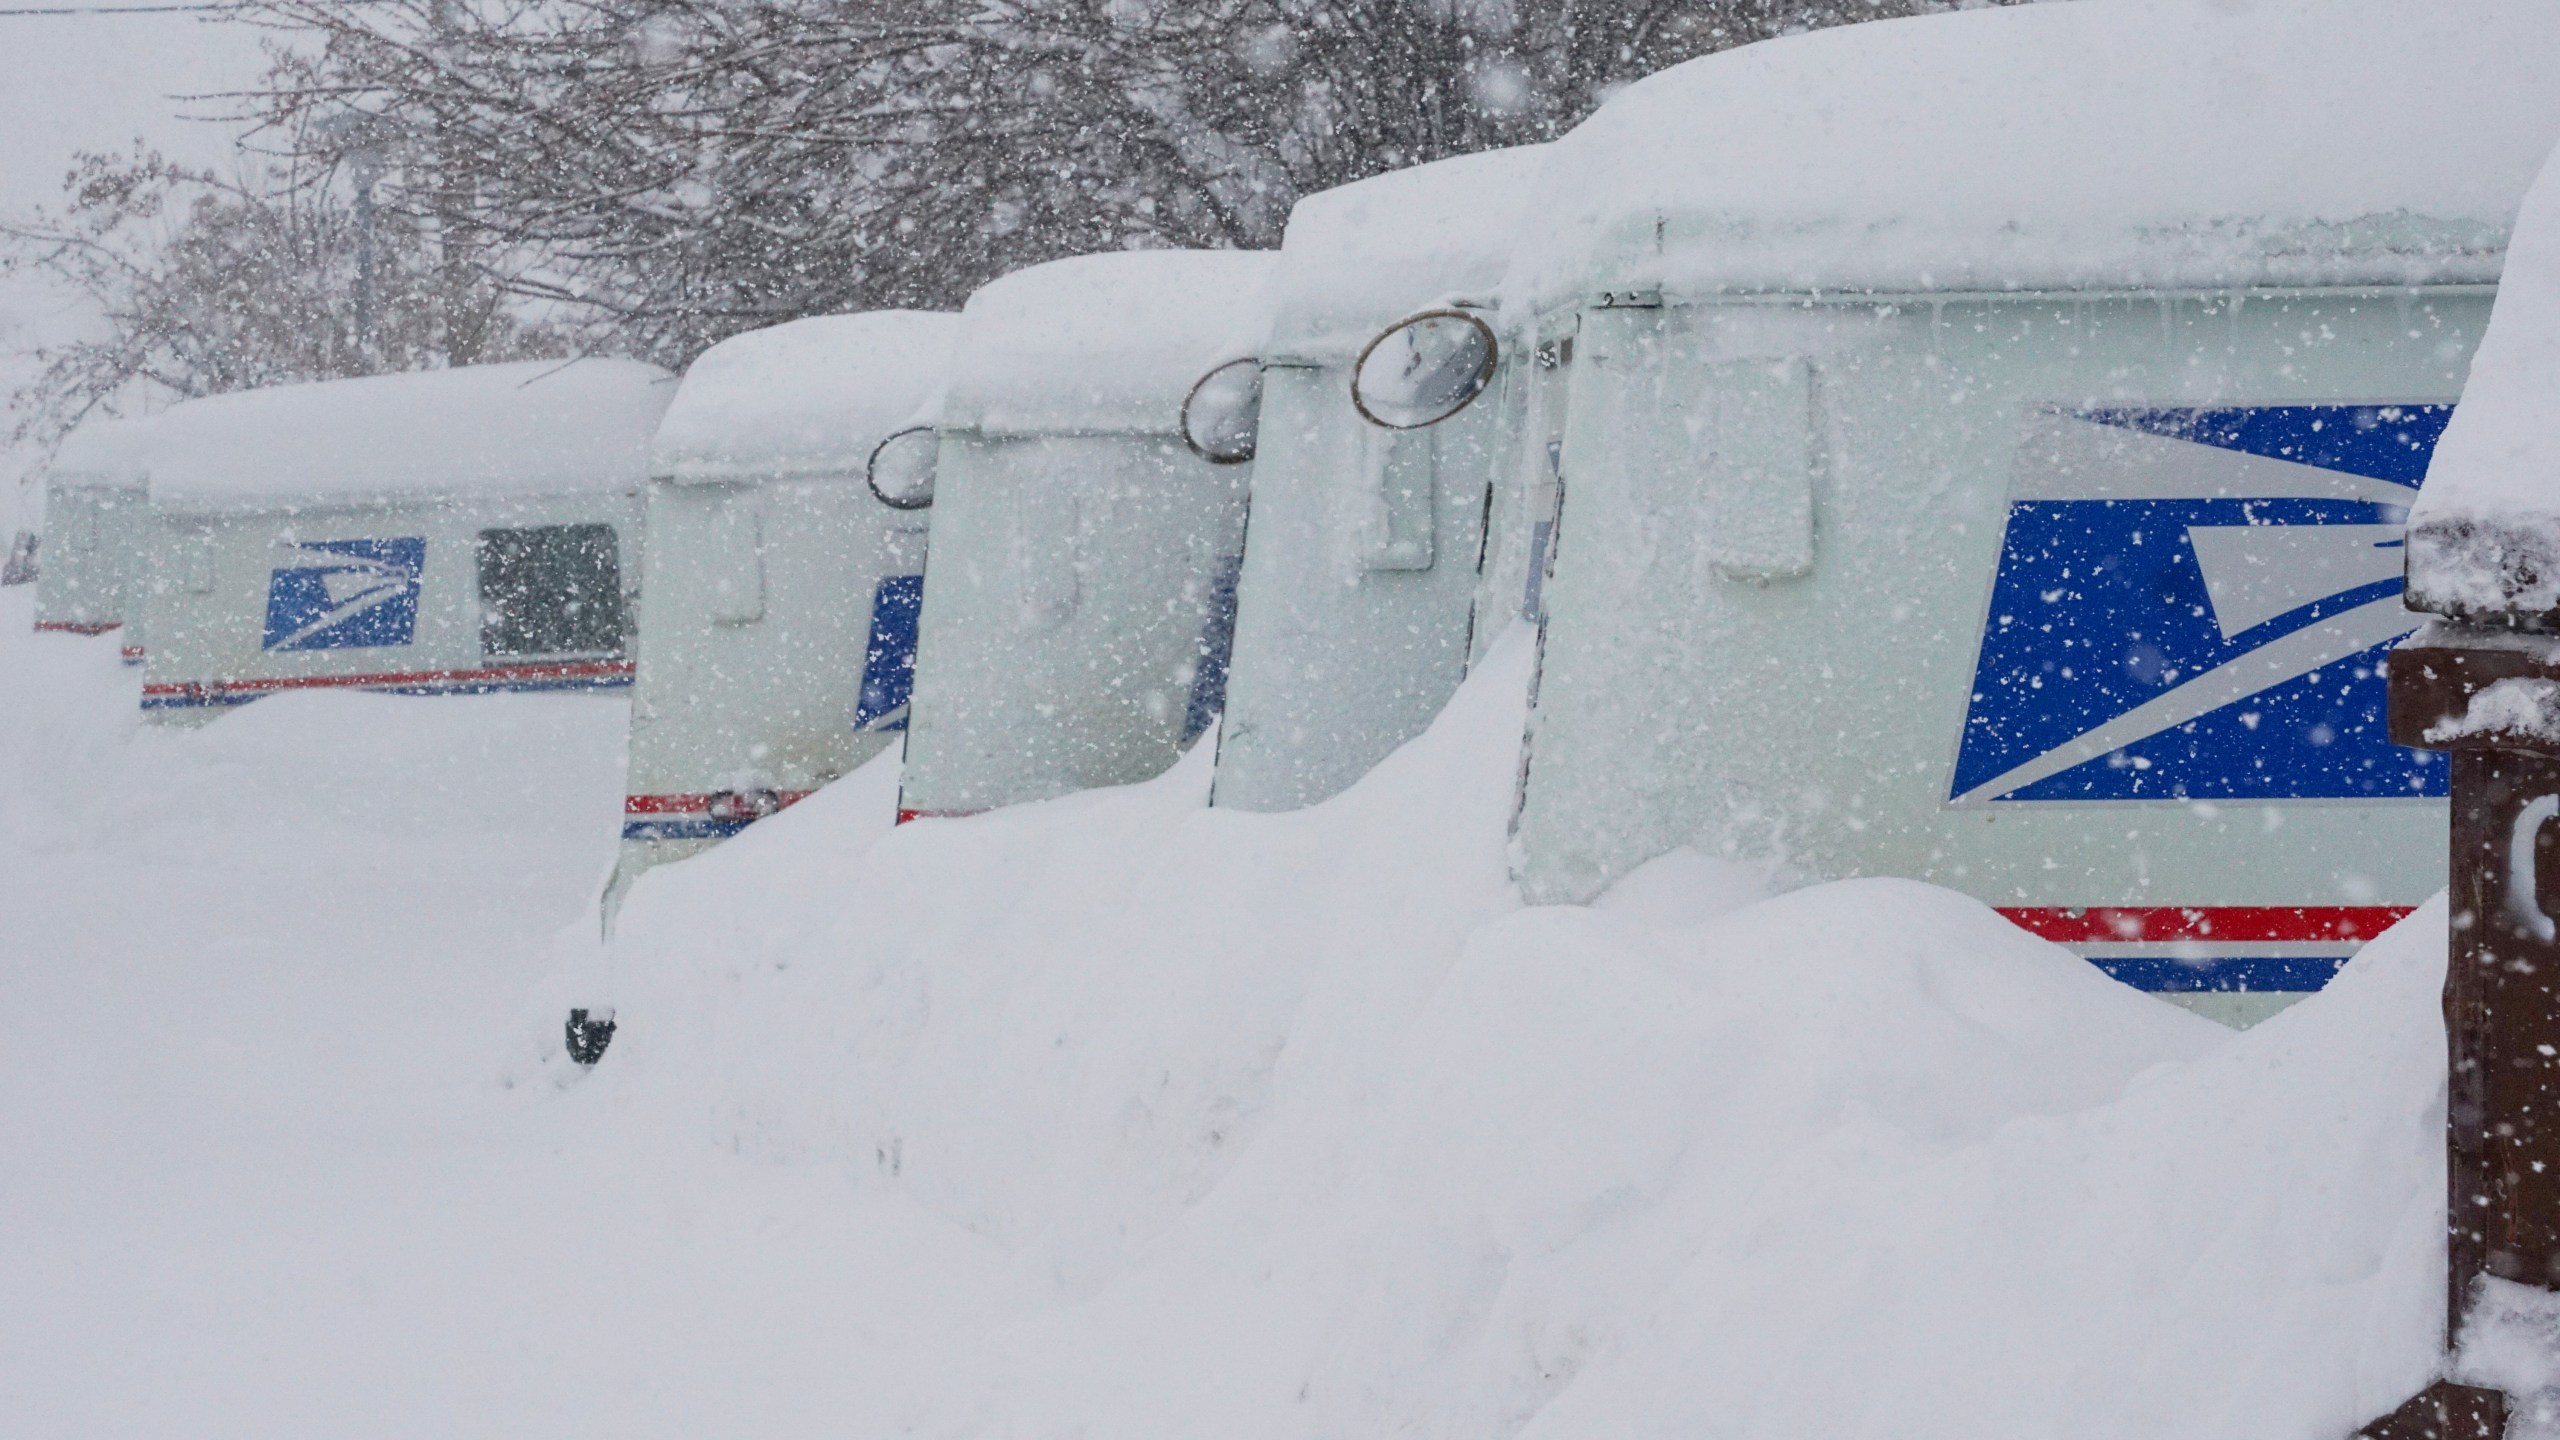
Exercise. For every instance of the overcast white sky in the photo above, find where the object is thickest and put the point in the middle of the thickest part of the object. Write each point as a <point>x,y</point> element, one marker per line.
<point>76,82</point>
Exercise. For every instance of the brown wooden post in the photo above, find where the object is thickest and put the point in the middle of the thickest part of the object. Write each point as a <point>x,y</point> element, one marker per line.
<point>2502,977</point>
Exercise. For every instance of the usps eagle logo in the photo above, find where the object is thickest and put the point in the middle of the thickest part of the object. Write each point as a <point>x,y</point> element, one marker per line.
<point>2196,605</point>
<point>345,594</point>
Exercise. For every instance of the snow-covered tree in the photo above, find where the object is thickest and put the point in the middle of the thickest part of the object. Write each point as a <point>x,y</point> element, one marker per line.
<point>680,170</point>
<point>206,284</point>
<point>444,181</point>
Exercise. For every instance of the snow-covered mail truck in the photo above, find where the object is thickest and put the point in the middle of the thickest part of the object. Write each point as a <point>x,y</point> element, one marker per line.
<point>1081,595</point>
<point>1984,454</point>
<point>782,573</point>
<point>436,533</point>
<point>1357,599</point>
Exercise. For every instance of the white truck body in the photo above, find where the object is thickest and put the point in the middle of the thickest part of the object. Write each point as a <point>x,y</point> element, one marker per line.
<point>97,517</point>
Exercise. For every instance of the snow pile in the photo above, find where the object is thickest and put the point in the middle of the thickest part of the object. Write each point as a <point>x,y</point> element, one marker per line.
<point>2511,1341</point>
<point>2516,706</point>
<point>806,399</point>
<point>2108,142</point>
<point>1360,256</point>
<point>1103,343</point>
<point>536,427</point>
<point>1304,1126</point>
<point>2484,536</point>
<point>252,971</point>
<point>259,1180</point>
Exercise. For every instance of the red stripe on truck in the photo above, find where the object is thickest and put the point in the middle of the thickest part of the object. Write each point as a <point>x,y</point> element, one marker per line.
<point>569,670</point>
<point>2226,924</point>
<point>690,804</point>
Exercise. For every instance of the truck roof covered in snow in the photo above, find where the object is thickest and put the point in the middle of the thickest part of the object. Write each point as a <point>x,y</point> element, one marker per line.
<point>812,397</point>
<point>536,427</point>
<point>104,455</point>
<point>2107,143</point>
<point>1104,343</point>
<point>1360,256</point>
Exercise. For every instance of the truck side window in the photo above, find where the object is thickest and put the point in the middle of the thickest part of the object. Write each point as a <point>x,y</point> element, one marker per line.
<point>552,590</point>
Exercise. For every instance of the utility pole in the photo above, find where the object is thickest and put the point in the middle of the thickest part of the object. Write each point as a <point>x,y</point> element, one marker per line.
<point>2483,685</point>
<point>2456,688</point>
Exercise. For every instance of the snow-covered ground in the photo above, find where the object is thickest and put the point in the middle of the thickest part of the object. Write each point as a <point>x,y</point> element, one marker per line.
<point>1115,1115</point>
<point>260,1176</point>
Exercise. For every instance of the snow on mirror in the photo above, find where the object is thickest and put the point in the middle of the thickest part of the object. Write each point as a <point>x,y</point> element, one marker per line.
<point>1223,413</point>
<point>1424,370</point>
<point>901,472</point>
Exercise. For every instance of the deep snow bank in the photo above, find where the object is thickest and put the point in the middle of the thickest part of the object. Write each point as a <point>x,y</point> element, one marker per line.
<point>1315,1131</point>
<point>255,1177</point>
<point>1060,1021</point>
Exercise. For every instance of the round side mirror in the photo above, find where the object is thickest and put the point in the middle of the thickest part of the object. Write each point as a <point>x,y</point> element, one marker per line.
<point>901,470</point>
<point>1424,369</point>
<point>1223,413</point>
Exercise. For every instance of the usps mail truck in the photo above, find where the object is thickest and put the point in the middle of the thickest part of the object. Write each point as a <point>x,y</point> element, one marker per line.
<point>445,532</point>
<point>1081,595</point>
<point>96,515</point>
<point>1984,449</point>
<point>783,573</point>
<point>1370,500</point>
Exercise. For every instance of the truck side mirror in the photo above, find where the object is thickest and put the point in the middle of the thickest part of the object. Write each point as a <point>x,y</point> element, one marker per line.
<point>1222,415</point>
<point>1424,369</point>
<point>901,468</point>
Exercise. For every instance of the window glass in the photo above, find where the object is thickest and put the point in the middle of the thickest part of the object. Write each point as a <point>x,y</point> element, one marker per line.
<point>551,590</point>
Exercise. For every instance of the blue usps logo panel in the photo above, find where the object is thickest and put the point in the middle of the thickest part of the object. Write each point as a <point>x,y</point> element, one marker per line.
<point>889,663</point>
<point>345,594</point>
<point>2195,604</point>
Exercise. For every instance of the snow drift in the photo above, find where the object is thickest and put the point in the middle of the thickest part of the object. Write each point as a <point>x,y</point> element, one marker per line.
<point>1307,1127</point>
<point>2484,536</point>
